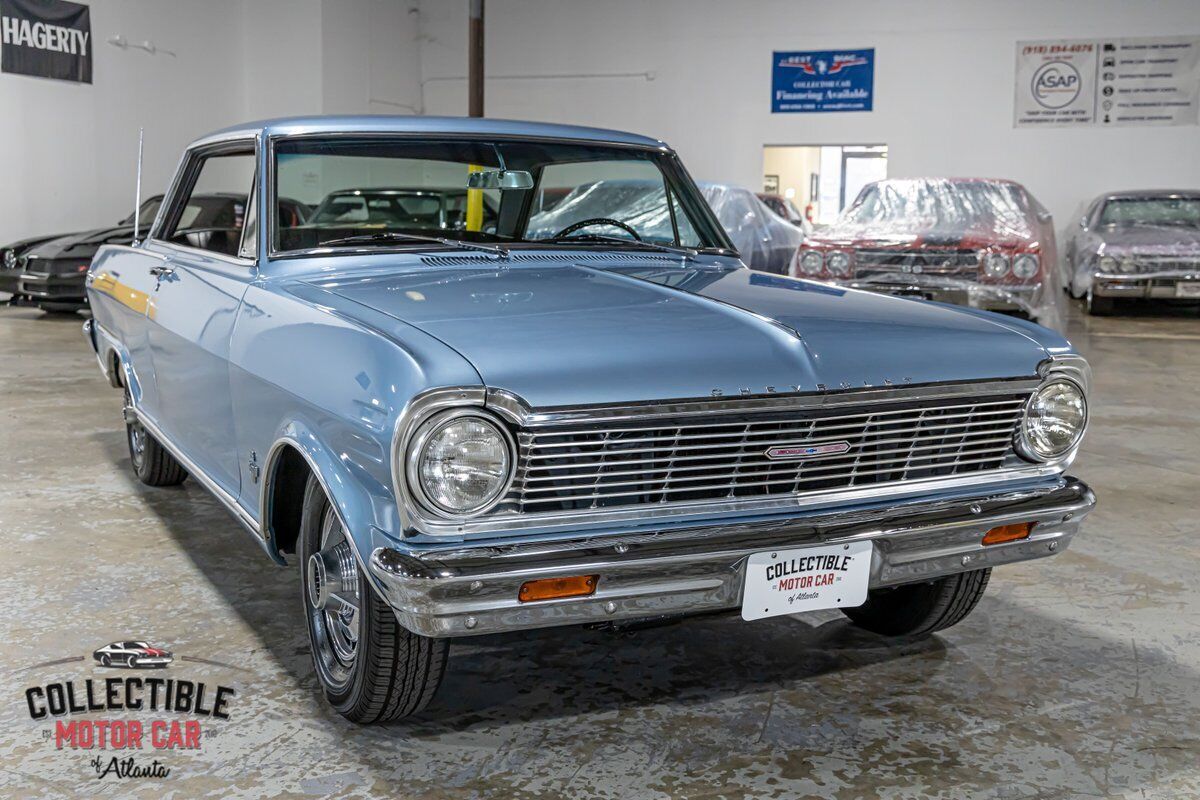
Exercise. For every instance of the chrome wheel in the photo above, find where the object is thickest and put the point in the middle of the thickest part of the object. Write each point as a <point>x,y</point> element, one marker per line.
<point>332,591</point>
<point>136,434</point>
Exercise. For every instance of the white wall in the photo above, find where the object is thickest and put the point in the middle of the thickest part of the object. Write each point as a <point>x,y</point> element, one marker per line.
<point>68,151</point>
<point>943,77</point>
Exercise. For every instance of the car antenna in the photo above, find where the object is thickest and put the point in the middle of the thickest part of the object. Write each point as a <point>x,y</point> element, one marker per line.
<point>137,193</point>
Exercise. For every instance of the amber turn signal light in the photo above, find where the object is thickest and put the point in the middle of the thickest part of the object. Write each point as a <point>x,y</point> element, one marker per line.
<point>556,588</point>
<point>1008,533</point>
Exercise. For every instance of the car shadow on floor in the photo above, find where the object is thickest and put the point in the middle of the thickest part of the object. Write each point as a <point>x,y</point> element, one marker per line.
<point>1013,674</point>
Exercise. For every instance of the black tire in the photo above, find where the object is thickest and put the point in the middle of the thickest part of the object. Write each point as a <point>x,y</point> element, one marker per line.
<point>919,609</point>
<point>105,661</point>
<point>153,465</point>
<point>1099,306</point>
<point>394,673</point>
<point>60,308</point>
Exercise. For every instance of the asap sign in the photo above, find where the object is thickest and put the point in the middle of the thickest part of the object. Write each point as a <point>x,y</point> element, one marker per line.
<point>1056,84</point>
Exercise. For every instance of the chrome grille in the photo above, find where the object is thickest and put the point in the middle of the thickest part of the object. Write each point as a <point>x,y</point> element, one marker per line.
<point>1165,264</point>
<point>579,467</point>
<point>924,261</point>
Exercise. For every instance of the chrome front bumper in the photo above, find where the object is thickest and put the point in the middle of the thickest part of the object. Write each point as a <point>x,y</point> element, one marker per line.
<point>467,590</point>
<point>981,296</point>
<point>1143,284</point>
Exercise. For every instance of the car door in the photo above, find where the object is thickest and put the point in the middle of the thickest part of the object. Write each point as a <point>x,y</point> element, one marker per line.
<point>195,303</point>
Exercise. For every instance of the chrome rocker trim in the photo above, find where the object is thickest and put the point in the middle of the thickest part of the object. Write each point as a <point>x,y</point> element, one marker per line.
<point>457,590</point>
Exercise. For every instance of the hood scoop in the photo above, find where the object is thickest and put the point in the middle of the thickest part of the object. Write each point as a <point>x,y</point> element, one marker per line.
<point>547,258</point>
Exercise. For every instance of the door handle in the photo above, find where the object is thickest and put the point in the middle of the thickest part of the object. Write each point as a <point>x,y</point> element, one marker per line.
<point>162,272</point>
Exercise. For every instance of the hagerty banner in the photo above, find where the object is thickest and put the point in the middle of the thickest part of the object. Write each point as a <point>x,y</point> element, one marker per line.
<point>1108,82</point>
<point>46,38</point>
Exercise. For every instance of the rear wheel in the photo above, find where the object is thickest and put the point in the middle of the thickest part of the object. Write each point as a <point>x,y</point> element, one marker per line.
<point>151,461</point>
<point>371,668</point>
<point>919,609</point>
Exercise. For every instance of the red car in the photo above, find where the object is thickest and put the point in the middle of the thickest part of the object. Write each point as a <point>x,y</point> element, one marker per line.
<point>971,241</point>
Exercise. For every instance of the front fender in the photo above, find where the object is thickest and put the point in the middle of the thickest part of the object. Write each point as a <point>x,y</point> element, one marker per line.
<point>356,497</point>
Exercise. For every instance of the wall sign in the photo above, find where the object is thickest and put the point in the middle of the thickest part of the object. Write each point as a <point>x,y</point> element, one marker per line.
<point>1107,82</point>
<point>46,38</point>
<point>822,80</point>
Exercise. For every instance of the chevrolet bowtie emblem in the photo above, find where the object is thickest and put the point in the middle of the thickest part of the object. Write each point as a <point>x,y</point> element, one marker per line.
<point>794,452</point>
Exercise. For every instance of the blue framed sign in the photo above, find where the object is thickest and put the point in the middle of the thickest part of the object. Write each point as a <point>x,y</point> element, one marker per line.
<point>822,80</point>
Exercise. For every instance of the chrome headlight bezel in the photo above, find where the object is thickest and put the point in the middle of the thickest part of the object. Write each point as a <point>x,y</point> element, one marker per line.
<point>10,259</point>
<point>1025,266</point>
<point>996,265</point>
<point>1107,264</point>
<point>813,265</point>
<point>843,258</point>
<point>1024,445</point>
<point>422,437</point>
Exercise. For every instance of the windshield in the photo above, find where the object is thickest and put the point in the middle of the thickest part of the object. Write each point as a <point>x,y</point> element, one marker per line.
<point>941,204</point>
<point>376,191</point>
<point>1182,211</point>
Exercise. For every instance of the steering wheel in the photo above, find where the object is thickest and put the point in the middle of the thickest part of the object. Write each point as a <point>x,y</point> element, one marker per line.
<point>583,223</point>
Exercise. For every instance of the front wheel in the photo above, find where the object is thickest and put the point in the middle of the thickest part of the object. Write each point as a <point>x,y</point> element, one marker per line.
<point>919,609</point>
<point>1099,306</point>
<point>371,669</point>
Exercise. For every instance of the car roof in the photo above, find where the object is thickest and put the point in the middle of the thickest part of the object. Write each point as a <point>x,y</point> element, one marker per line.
<point>480,126</point>
<point>1150,194</point>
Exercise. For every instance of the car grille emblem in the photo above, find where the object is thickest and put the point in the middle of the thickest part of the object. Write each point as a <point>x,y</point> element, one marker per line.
<point>796,452</point>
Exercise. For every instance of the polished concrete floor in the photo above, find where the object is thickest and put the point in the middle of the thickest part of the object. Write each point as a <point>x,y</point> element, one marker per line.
<point>1077,676</point>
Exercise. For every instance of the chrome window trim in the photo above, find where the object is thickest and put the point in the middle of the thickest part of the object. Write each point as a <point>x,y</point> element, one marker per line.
<point>513,409</point>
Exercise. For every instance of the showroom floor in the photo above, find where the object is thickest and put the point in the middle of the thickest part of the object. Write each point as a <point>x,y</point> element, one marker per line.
<point>1077,676</point>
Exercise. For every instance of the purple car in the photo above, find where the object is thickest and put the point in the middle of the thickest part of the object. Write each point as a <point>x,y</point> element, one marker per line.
<point>1136,244</point>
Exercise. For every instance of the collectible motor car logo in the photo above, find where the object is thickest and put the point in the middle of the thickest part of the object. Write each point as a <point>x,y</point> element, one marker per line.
<point>133,655</point>
<point>795,452</point>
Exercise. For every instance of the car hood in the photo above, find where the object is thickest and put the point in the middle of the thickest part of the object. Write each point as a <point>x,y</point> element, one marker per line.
<point>915,234</point>
<point>573,334</point>
<point>1166,240</point>
<point>84,245</point>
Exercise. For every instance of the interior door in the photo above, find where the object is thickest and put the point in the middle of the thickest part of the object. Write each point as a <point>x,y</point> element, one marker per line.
<point>195,303</point>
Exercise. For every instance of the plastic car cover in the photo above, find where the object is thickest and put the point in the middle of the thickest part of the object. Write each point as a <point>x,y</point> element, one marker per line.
<point>638,203</point>
<point>952,240</point>
<point>764,240</point>
<point>1126,239</point>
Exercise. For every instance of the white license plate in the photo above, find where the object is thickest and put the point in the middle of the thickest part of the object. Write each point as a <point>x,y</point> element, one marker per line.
<point>806,579</point>
<point>1187,289</point>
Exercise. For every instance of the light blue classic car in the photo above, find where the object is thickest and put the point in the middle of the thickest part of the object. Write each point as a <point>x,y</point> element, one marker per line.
<point>462,423</point>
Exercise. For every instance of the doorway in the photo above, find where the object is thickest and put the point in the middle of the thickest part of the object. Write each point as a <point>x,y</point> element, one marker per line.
<point>822,179</point>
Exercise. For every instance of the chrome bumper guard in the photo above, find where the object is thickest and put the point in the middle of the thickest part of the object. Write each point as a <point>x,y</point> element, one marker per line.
<point>983,296</point>
<point>1160,284</point>
<point>468,590</point>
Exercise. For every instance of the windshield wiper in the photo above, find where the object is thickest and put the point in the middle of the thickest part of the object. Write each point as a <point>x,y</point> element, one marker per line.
<point>686,252</point>
<point>392,236</point>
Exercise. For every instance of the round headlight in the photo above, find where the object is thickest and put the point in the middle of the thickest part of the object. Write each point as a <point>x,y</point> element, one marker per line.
<point>838,263</point>
<point>10,259</point>
<point>461,463</point>
<point>1108,264</point>
<point>1026,266</point>
<point>1054,420</point>
<point>810,262</point>
<point>1128,265</point>
<point>996,265</point>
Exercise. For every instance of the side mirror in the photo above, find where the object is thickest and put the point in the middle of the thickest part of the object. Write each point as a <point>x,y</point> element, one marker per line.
<point>1083,223</point>
<point>503,179</point>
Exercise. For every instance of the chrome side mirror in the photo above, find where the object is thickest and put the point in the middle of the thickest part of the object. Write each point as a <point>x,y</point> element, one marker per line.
<point>503,179</point>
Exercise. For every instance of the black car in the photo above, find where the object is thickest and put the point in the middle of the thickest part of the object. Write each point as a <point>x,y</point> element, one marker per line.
<point>53,272</point>
<point>10,261</point>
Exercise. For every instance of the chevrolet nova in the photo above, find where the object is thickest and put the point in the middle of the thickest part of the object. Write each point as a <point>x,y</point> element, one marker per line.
<point>486,427</point>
